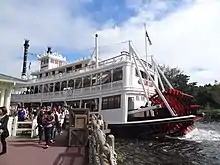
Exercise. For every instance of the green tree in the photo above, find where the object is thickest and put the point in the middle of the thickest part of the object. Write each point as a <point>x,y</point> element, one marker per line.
<point>207,95</point>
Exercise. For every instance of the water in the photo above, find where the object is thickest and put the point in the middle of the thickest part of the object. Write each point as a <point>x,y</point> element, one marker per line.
<point>201,148</point>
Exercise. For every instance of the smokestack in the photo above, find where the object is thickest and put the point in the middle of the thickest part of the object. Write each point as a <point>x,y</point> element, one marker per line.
<point>49,50</point>
<point>24,68</point>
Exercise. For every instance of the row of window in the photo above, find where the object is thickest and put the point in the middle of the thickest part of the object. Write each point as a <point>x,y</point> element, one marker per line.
<point>111,102</point>
<point>46,61</point>
<point>82,82</point>
<point>65,70</point>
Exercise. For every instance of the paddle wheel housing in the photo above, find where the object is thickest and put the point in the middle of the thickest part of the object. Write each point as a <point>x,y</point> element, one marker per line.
<point>181,104</point>
<point>172,103</point>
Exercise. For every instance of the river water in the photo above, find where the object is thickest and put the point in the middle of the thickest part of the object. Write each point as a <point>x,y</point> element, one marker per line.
<point>201,148</point>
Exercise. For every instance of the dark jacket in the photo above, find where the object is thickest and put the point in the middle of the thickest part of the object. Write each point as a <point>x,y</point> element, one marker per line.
<point>4,126</point>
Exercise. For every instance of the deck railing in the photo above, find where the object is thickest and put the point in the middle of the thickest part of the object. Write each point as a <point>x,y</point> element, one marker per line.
<point>67,93</point>
<point>120,58</point>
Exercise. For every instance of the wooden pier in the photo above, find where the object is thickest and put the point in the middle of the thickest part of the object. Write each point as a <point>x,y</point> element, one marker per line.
<point>84,143</point>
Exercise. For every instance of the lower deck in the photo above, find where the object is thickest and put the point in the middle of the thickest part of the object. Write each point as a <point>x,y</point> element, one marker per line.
<point>113,106</point>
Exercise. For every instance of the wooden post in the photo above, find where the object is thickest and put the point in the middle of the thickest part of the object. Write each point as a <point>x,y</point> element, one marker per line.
<point>111,141</point>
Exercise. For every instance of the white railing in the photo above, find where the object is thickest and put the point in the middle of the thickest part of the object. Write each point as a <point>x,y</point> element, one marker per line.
<point>117,59</point>
<point>15,129</point>
<point>68,93</point>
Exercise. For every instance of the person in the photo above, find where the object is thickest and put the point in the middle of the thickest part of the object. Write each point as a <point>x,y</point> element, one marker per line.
<point>21,114</point>
<point>55,126</point>
<point>48,127</point>
<point>4,128</point>
<point>40,125</point>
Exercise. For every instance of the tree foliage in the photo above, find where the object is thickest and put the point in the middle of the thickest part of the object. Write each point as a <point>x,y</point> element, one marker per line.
<point>207,96</point>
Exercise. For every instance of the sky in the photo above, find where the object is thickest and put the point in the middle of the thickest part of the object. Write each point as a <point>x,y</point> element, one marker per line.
<point>184,33</point>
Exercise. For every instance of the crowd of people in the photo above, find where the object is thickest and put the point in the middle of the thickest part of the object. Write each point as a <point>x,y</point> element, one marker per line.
<point>50,122</point>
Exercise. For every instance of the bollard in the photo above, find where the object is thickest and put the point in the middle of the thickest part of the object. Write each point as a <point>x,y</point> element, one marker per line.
<point>111,141</point>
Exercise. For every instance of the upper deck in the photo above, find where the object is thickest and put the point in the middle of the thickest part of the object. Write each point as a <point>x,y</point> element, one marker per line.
<point>85,67</point>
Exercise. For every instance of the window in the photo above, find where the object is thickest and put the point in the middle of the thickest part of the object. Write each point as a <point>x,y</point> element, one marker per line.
<point>94,79</point>
<point>40,88</point>
<point>105,103</point>
<point>130,103</point>
<point>111,102</point>
<point>69,69</point>
<point>36,89</point>
<point>53,72</point>
<point>63,85</point>
<point>79,66</point>
<point>78,83</point>
<point>143,74</point>
<point>86,81</point>
<point>75,104</point>
<point>71,83</point>
<point>46,88</point>
<point>56,62</point>
<point>57,86</point>
<point>47,61</point>
<point>106,77</point>
<point>137,98</point>
<point>51,87</point>
<point>52,60</point>
<point>118,74</point>
<point>91,104</point>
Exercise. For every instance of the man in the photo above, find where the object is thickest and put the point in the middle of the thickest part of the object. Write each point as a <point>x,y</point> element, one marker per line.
<point>40,127</point>
<point>4,133</point>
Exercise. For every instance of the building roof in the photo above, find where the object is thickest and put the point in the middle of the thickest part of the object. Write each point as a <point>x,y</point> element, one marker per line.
<point>11,79</point>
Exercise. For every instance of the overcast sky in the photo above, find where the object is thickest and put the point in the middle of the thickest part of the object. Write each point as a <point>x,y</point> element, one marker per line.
<point>184,33</point>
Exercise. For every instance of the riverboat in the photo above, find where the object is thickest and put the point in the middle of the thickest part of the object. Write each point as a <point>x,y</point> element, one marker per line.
<point>128,91</point>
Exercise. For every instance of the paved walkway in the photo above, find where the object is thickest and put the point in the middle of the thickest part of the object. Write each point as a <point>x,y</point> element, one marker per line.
<point>29,152</point>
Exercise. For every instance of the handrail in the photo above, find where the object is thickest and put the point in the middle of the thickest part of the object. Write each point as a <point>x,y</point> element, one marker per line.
<point>101,148</point>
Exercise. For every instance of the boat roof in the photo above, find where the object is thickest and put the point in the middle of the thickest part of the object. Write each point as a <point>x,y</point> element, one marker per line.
<point>11,79</point>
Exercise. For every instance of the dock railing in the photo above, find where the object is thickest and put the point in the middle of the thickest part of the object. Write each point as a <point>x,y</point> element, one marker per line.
<point>101,147</point>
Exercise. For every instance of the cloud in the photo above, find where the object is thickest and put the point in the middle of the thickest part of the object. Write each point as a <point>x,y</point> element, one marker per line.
<point>184,32</point>
<point>186,38</point>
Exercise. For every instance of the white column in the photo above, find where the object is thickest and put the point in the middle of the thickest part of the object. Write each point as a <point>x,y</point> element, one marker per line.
<point>7,99</point>
<point>126,76</point>
<point>124,106</point>
<point>2,97</point>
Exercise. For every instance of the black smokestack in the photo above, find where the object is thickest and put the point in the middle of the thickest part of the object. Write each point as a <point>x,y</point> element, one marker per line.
<point>24,68</point>
<point>49,50</point>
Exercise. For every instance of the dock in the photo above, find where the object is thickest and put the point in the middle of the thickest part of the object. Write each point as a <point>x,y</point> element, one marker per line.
<point>86,141</point>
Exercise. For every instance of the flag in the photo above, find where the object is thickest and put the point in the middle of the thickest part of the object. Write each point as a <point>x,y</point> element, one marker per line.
<point>148,38</point>
<point>29,67</point>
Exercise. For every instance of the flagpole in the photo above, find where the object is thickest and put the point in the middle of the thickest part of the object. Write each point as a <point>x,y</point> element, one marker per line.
<point>145,39</point>
<point>146,52</point>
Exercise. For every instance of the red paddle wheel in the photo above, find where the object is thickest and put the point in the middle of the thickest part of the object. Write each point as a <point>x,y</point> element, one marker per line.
<point>181,105</point>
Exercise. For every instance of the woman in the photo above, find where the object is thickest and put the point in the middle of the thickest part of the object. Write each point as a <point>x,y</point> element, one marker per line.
<point>4,128</point>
